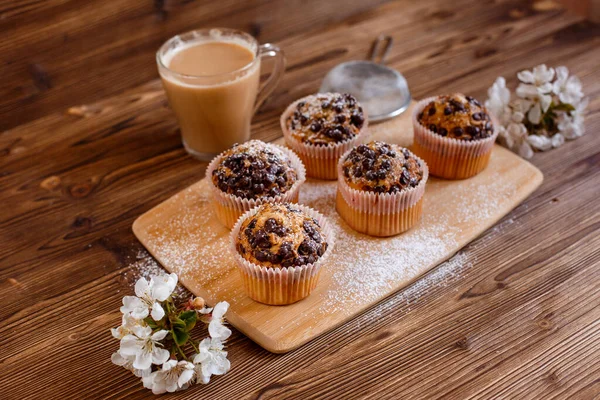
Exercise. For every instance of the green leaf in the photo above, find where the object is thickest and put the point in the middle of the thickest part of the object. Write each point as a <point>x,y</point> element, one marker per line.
<point>151,323</point>
<point>180,336</point>
<point>564,107</point>
<point>189,317</point>
<point>177,323</point>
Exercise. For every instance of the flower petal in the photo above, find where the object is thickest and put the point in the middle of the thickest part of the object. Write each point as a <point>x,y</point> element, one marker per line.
<point>143,360</point>
<point>218,331</point>
<point>540,142</point>
<point>525,76</point>
<point>525,150</point>
<point>185,377</point>
<point>535,114</point>
<point>220,309</point>
<point>160,356</point>
<point>141,287</point>
<point>130,346</point>
<point>160,335</point>
<point>157,311</point>
<point>558,140</point>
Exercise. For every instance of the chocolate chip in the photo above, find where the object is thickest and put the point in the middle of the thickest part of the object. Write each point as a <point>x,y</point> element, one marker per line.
<point>274,192</point>
<point>443,132</point>
<point>371,175</point>
<point>386,164</point>
<point>477,117</point>
<point>368,163</point>
<point>261,239</point>
<point>368,153</point>
<point>431,110</point>
<point>433,128</point>
<point>303,119</point>
<point>300,105</point>
<point>347,172</point>
<point>325,105</point>
<point>280,181</point>
<point>340,119</point>
<point>381,175</point>
<point>357,120</point>
<point>447,110</point>
<point>307,247</point>
<point>357,172</point>
<point>472,130</point>
<point>285,251</point>
<point>261,255</point>
<point>315,127</point>
<point>338,108</point>
<point>322,249</point>
<point>270,225</point>
<point>414,182</point>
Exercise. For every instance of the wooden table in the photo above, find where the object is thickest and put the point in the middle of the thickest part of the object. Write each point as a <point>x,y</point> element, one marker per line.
<point>81,158</point>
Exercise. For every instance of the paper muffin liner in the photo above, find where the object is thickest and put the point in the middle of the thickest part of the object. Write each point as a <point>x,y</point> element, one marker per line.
<point>380,214</point>
<point>281,286</point>
<point>448,157</point>
<point>228,207</point>
<point>320,161</point>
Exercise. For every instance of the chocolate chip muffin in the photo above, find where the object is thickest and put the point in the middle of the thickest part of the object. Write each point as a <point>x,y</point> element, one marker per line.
<point>253,170</point>
<point>381,168</point>
<point>457,116</point>
<point>326,118</point>
<point>281,235</point>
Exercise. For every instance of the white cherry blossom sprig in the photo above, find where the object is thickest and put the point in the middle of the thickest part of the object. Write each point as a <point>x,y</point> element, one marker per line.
<point>548,109</point>
<point>155,337</point>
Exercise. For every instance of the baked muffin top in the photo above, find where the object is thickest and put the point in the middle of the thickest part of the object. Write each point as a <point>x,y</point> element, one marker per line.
<point>254,169</point>
<point>381,168</point>
<point>326,118</point>
<point>457,116</point>
<point>281,235</point>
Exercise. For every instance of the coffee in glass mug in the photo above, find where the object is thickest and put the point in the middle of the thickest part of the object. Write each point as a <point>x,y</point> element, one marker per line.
<point>211,78</point>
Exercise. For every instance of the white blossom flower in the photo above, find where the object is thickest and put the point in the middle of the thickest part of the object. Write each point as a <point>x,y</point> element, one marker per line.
<point>567,88</point>
<point>536,87</point>
<point>149,294</point>
<point>126,328</point>
<point>173,375</point>
<point>145,346</point>
<point>557,140</point>
<point>212,360</point>
<point>540,142</point>
<point>216,327</point>
<point>498,100</point>
<point>127,363</point>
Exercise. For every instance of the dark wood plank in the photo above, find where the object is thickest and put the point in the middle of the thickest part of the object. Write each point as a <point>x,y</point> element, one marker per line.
<point>519,320</point>
<point>58,53</point>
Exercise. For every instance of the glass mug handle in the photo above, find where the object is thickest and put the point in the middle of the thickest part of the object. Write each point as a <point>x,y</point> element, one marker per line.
<point>264,51</point>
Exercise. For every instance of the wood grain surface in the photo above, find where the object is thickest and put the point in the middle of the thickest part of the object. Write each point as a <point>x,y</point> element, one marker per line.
<point>186,238</point>
<point>520,320</point>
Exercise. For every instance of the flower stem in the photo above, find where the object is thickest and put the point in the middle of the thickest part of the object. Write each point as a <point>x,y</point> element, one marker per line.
<point>194,346</point>
<point>168,304</point>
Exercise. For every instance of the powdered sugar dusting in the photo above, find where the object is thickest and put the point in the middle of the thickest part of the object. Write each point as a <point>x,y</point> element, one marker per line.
<point>188,240</point>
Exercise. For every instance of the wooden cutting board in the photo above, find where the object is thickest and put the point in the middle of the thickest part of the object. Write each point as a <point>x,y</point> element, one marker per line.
<point>183,234</point>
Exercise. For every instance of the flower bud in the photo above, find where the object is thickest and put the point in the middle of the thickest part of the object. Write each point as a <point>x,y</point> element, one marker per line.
<point>198,303</point>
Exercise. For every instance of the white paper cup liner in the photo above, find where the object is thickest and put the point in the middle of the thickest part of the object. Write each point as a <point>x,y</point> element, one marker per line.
<point>380,214</point>
<point>320,160</point>
<point>280,286</point>
<point>449,157</point>
<point>229,207</point>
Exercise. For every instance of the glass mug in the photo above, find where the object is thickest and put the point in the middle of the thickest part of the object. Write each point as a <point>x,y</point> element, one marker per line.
<point>214,108</point>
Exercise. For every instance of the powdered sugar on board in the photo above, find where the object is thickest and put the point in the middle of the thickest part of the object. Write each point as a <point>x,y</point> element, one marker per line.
<point>184,235</point>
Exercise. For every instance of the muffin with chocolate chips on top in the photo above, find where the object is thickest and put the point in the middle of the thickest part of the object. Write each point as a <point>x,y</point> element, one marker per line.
<point>321,127</point>
<point>455,134</point>
<point>250,174</point>
<point>380,188</point>
<point>279,249</point>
